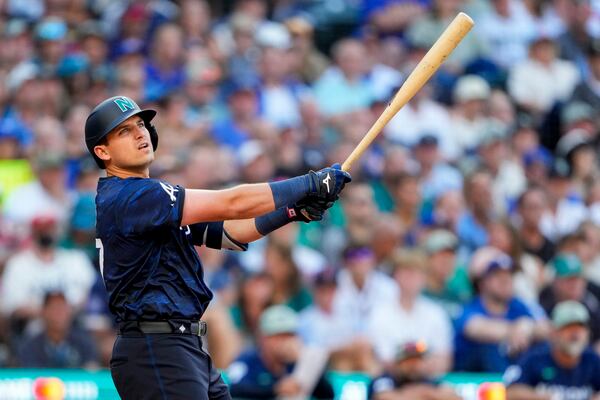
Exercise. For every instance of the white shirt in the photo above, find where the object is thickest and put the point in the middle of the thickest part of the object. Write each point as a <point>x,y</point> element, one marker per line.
<point>356,305</point>
<point>570,213</point>
<point>508,37</point>
<point>318,328</point>
<point>31,200</point>
<point>410,123</point>
<point>27,279</point>
<point>531,82</point>
<point>391,326</point>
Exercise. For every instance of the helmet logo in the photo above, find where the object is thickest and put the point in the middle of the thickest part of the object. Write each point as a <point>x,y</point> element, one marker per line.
<point>124,104</point>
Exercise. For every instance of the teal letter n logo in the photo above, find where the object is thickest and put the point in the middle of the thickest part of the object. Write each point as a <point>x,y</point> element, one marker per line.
<point>124,103</point>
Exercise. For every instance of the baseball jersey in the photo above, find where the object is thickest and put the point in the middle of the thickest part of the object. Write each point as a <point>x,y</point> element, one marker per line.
<point>539,370</point>
<point>147,259</point>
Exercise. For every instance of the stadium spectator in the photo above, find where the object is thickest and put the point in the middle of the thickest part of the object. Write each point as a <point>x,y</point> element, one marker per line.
<point>530,208</point>
<point>494,327</point>
<point>472,226</point>
<point>254,296</point>
<point>264,372</point>
<point>569,283</point>
<point>587,90</point>
<point>32,272</point>
<point>565,368</point>
<point>447,282</point>
<point>61,344</point>
<point>542,73</point>
<point>407,377</point>
<point>412,317</point>
<point>47,194</point>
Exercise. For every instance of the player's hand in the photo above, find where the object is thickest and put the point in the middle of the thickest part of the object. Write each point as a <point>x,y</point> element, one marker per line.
<point>288,386</point>
<point>311,208</point>
<point>328,183</point>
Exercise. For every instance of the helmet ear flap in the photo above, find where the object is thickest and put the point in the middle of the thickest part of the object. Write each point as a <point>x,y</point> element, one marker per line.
<point>153,135</point>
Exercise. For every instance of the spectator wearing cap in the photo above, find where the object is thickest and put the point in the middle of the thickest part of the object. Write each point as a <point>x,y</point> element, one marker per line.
<point>531,206</point>
<point>569,283</point>
<point>588,90</point>
<point>50,35</point>
<point>469,117</point>
<point>406,377</point>
<point>279,93</point>
<point>61,344</point>
<point>238,126</point>
<point>310,62</point>
<point>412,317</point>
<point>565,368</point>
<point>255,161</point>
<point>45,195</point>
<point>320,325</point>
<point>30,273</point>
<point>566,208</point>
<point>537,163</point>
<point>573,42</point>
<point>203,107</point>
<point>577,148</point>
<point>447,282</point>
<point>343,88</point>
<point>508,177</point>
<point>264,372</point>
<point>165,71</point>
<point>495,327</point>
<point>543,79</point>
<point>435,175</point>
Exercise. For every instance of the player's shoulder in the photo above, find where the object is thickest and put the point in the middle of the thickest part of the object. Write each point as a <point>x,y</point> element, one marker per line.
<point>589,356</point>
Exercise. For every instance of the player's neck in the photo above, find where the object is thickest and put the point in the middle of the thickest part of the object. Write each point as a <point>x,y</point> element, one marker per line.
<point>124,173</point>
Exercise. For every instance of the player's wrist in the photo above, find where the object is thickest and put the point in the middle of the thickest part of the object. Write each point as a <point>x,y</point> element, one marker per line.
<point>292,190</point>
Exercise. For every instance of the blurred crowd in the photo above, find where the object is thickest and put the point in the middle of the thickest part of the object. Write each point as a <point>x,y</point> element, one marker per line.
<point>471,217</point>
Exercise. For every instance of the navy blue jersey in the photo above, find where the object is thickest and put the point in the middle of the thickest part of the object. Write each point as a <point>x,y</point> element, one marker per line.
<point>538,369</point>
<point>147,259</point>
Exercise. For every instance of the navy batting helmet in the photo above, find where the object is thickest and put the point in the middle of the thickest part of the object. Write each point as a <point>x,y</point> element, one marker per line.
<point>107,115</point>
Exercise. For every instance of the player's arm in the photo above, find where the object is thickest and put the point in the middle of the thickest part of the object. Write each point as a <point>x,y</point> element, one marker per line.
<point>249,201</point>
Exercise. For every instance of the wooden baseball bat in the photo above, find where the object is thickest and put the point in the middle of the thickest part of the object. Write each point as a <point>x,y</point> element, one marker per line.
<point>437,54</point>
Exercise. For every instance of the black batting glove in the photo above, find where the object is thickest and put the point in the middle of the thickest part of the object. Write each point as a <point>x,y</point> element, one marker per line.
<point>328,183</point>
<point>310,209</point>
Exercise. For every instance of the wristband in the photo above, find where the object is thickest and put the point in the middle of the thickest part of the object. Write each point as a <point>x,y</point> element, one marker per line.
<point>290,191</point>
<point>267,223</point>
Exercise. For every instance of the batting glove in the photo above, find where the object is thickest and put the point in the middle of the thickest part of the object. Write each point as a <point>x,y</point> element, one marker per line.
<point>327,184</point>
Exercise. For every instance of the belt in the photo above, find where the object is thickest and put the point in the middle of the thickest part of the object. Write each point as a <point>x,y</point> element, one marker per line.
<point>197,328</point>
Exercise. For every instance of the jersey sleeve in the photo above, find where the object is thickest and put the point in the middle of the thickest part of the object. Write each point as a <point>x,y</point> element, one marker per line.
<point>214,235</point>
<point>149,204</point>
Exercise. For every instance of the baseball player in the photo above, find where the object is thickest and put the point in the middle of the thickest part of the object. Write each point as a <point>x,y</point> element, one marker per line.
<point>146,232</point>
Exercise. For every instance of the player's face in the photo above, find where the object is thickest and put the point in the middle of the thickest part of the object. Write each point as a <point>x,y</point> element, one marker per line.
<point>128,146</point>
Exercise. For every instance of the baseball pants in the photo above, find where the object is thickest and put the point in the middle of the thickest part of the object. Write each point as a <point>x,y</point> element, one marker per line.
<point>165,367</point>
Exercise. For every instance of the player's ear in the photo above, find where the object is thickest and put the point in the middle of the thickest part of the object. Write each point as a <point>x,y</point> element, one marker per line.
<point>101,152</point>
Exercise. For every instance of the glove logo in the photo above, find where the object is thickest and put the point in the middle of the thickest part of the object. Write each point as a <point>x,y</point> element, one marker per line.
<point>291,212</point>
<point>326,182</point>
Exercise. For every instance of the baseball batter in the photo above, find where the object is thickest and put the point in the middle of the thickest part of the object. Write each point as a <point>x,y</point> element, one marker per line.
<point>146,232</point>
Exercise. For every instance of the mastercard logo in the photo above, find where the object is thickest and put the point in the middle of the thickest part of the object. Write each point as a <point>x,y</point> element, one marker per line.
<point>491,391</point>
<point>49,389</point>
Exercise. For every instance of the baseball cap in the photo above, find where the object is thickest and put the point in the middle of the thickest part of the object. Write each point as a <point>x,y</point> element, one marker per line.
<point>538,155</point>
<point>487,260</point>
<point>440,239</point>
<point>278,319</point>
<point>577,111</point>
<point>567,265</point>
<point>492,133</point>
<point>411,349</point>
<point>357,251</point>
<point>471,87</point>
<point>51,29</point>
<point>409,259</point>
<point>428,139</point>
<point>273,35</point>
<point>571,141</point>
<point>569,312</point>
<point>326,278</point>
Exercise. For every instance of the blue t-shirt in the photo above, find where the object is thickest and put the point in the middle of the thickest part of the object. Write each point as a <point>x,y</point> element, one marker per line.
<point>538,369</point>
<point>475,356</point>
<point>147,259</point>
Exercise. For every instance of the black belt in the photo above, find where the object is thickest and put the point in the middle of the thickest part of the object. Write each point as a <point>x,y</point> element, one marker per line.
<point>197,328</point>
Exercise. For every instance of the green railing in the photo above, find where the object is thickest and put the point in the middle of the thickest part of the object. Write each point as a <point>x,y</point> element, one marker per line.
<point>21,384</point>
